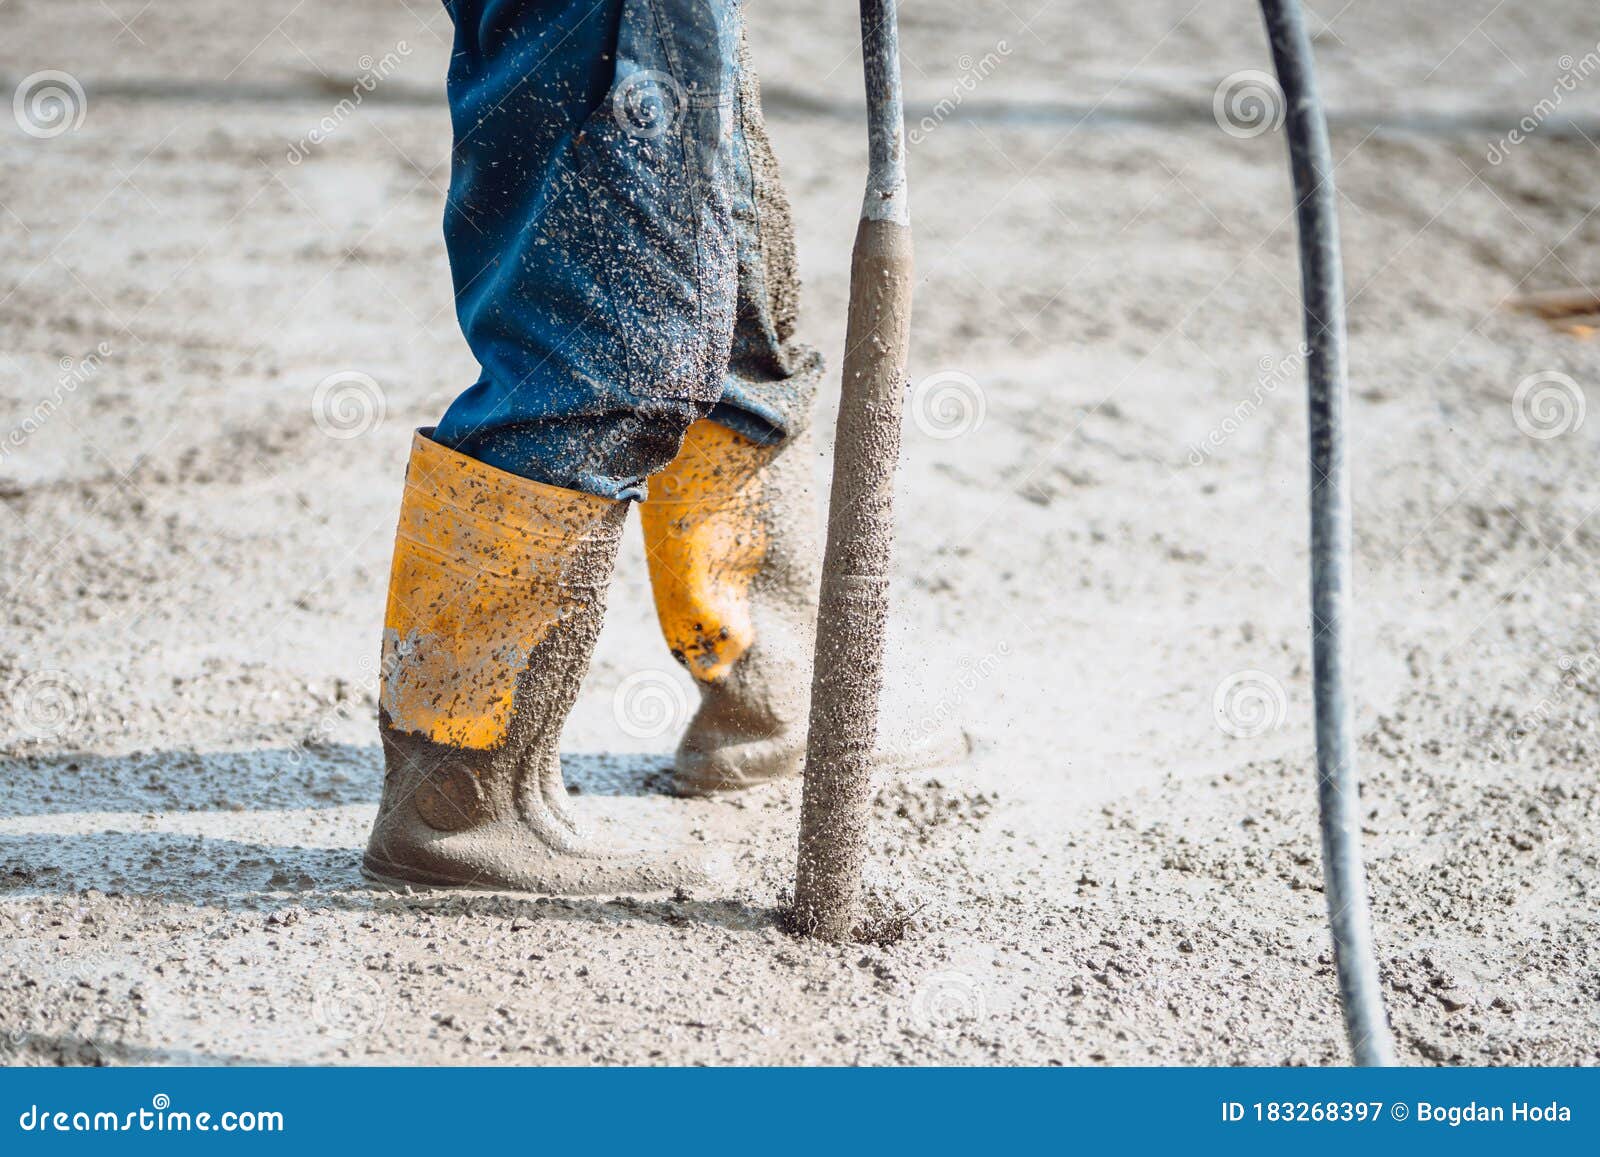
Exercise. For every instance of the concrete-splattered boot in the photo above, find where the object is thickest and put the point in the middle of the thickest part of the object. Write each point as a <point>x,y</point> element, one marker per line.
<point>495,599</point>
<point>730,532</point>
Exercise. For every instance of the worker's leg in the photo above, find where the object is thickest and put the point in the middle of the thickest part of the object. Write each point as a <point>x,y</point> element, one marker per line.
<point>591,239</point>
<point>590,231</point>
<point>730,525</point>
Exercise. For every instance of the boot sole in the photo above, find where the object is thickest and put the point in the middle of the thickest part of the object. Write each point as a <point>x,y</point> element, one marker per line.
<point>892,761</point>
<point>397,881</point>
<point>702,789</point>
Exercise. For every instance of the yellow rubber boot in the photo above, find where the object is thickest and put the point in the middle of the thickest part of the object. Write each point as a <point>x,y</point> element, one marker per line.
<point>730,533</point>
<point>495,599</point>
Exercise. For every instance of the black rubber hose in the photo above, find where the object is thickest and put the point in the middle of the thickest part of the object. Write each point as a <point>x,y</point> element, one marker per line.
<point>1322,292</point>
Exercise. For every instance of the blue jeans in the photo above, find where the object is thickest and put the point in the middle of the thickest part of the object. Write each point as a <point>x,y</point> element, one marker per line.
<point>620,246</point>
